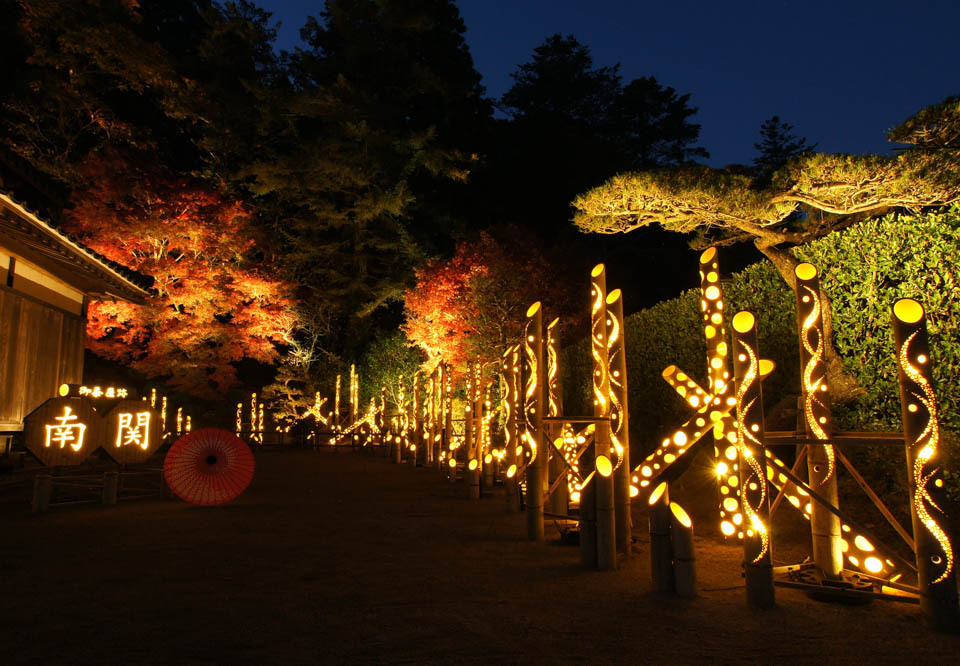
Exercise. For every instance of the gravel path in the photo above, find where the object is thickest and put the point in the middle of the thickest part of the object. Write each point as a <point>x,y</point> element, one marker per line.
<point>345,558</point>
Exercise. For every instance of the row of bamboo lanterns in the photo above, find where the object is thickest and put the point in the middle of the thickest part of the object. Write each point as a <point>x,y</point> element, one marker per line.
<point>562,462</point>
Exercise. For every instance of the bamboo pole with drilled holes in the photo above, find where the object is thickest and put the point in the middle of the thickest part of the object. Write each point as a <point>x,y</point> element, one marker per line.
<point>533,412</point>
<point>754,498</point>
<point>602,487</point>
<point>921,434</point>
<point>619,419</point>
<point>821,461</point>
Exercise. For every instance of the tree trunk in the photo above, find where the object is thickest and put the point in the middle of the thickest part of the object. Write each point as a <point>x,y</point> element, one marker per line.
<point>843,386</point>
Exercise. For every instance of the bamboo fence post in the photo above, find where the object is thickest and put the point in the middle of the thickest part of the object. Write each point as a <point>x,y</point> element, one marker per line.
<point>661,550</point>
<point>42,490</point>
<point>509,366</point>
<point>534,408</point>
<point>821,460</point>
<point>921,430</point>
<point>684,557</point>
<point>559,501</point>
<point>602,487</point>
<point>619,423</point>
<point>754,498</point>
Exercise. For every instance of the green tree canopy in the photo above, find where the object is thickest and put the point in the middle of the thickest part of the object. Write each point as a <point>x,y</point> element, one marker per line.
<point>808,198</point>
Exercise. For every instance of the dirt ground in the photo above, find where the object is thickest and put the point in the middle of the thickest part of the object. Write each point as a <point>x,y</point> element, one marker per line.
<point>348,558</point>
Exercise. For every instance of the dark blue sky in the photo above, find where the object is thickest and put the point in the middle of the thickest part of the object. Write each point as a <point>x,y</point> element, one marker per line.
<point>840,71</point>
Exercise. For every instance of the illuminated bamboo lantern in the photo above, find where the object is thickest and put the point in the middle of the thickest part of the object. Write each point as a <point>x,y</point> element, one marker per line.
<point>559,501</point>
<point>426,440</point>
<point>921,431</point>
<point>599,493</point>
<point>260,422</point>
<point>821,461</point>
<point>354,407</point>
<point>430,427</point>
<point>489,462</point>
<point>684,557</point>
<point>415,419</point>
<point>336,407</point>
<point>188,426</point>
<point>619,421</point>
<point>468,429</point>
<point>163,416</point>
<point>179,421</point>
<point>239,418</point>
<point>447,407</point>
<point>473,429</point>
<point>754,498</point>
<point>719,386</point>
<point>533,411</point>
<point>253,417</point>
<point>661,550</point>
<point>508,366</point>
<point>153,397</point>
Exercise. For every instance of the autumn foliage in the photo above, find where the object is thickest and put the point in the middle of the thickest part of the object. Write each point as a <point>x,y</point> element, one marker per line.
<point>473,305</point>
<point>211,306</point>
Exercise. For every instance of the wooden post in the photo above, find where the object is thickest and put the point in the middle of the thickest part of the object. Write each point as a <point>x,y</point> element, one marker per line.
<point>510,367</point>
<point>821,460</point>
<point>426,440</point>
<point>111,487</point>
<point>602,486</point>
<point>619,420</point>
<point>661,550</point>
<point>559,501</point>
<point>533,411</point>
<point>684,558</point>
<point>42,490</point>
<point>754,498</point>
<point>921,430</point>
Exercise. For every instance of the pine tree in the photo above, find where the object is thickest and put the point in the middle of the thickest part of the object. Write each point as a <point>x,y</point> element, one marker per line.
<point>777,147</point>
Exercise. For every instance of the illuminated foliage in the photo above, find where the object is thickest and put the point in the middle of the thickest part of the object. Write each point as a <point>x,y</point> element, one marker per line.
<point>811,196</point>
<point>472,305</point>
<point>211,307</point>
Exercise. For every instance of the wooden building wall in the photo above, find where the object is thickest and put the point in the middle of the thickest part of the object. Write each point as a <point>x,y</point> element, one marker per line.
<point>41,347</point>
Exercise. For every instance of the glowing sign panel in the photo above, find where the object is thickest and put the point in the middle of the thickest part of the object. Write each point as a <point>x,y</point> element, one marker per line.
<point>62,431</point>
<point>67,430</point>
<point>130,434</point>
<point>133,432</point>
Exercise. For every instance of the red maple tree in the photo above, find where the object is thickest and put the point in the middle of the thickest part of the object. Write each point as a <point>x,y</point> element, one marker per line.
<point>211,306</point>
<point>473,305</point>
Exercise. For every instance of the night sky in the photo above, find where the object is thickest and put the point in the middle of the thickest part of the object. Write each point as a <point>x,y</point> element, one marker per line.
<point>840,71</point>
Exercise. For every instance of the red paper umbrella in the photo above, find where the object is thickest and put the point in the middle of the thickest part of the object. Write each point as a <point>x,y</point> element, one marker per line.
<point>208,466</point>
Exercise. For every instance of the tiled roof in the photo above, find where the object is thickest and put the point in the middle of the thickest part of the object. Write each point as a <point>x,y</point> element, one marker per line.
<point>137,280</point>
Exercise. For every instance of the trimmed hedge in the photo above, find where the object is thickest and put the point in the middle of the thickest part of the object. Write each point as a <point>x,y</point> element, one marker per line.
<point>864,269</point>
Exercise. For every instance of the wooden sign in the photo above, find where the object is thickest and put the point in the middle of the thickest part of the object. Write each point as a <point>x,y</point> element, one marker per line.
<point>132,432</point>
<point>63,431</point>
